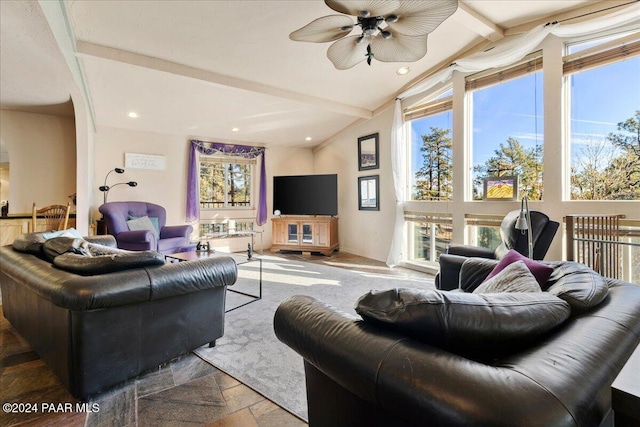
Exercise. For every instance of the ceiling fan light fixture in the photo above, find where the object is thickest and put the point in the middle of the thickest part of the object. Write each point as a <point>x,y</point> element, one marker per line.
<point>370,25</point>
<point>391,18</point>
<point>395,30</point>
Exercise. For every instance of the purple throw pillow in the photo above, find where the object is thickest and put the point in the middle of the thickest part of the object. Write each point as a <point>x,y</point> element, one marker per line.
<point>540,271</point>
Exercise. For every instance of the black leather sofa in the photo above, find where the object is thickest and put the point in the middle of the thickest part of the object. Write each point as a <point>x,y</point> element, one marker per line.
<point>359,373</point>
<point>95,331</point>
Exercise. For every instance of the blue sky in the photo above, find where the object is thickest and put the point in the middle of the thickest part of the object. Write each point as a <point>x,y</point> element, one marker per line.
<point>613,96</point>
<point>601,98</point>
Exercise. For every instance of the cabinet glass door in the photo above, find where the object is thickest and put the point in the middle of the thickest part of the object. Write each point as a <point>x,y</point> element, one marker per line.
<point>292,233</point>
<point>307,233</point>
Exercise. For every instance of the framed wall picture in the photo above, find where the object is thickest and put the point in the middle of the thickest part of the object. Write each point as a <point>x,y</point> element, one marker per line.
<point>500,188</point>
<point>368,193</point>
<point>368,156</point>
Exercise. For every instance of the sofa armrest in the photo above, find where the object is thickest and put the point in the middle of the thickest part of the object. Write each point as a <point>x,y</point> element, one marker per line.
<point>471,251</point>
<point>104,240</point>
<point>169,231</point>
<point>137,240</point>
<point>410,379</point>
<point>186,277</point>
<point>136,236</point>
<point>341,346</point>
<point>449,276</point>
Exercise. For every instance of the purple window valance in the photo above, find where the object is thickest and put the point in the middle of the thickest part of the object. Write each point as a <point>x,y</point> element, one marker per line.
<point>212,148</point>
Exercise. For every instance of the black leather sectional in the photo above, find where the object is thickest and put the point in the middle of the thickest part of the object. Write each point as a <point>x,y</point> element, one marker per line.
<point>95,331</point>
<point>363,373</point>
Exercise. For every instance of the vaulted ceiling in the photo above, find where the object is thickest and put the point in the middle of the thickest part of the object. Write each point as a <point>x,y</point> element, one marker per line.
<point>202,68</point>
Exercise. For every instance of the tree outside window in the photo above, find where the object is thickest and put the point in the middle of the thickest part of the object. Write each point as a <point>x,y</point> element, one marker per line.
<point>433,181</point>
<point>605,132</point>
<point>225,185</point>
<point>508,134</point>
<point>431,175</point>
<point>431,154</point>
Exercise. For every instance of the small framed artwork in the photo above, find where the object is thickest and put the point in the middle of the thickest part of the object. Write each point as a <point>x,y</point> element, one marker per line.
<point>368,157</point>
<point>368,193</point>
<point>500,188</point>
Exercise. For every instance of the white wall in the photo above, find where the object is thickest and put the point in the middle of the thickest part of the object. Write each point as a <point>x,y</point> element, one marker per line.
<point>365,233</point>
<point>168,187</point>
<point>164,187</point>
<point>42,153</point>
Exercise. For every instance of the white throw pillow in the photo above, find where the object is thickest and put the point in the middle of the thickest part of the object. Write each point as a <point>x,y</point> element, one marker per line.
<point>515,277</point>
<point>142,223</point>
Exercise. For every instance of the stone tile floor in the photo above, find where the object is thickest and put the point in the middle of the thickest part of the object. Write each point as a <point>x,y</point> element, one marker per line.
<point>186,391</point>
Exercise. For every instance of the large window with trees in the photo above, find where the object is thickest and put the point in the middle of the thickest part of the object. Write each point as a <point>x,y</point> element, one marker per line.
<point>430,175</point>
<point>225,183</point>
<point>507,126</point>
<point>431,159</point>
<point>604,112</point>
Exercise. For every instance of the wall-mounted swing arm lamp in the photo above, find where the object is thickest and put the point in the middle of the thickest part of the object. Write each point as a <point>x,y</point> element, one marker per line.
<point>105,188</point>
<point>524,223</point>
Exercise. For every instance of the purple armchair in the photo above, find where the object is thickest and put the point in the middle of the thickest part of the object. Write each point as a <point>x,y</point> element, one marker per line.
<point>171,238</point>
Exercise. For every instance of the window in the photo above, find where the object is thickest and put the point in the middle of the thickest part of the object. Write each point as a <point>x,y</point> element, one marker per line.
<point>431,161</point>
<point>507,126</point>
<point>604,119</point>
<point>212,229</point>
<point>429,236</point>
<point>484,231</point>
<point>225,183</point>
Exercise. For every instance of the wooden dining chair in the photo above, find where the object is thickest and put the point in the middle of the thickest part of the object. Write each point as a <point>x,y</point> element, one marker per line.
<point>56,217</point>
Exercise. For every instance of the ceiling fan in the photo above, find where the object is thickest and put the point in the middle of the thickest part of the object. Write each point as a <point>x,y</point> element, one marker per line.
<point>392,30</point>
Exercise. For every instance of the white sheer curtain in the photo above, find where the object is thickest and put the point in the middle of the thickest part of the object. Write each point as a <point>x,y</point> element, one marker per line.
<point>398,163</point>
<point>505,52</point>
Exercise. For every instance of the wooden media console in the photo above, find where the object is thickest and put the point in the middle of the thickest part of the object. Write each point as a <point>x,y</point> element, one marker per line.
<point>305,233</point>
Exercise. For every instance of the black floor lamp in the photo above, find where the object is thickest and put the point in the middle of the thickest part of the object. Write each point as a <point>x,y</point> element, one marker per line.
<point>524,223</point>
<point>105,188</point>
<point>101,226</point>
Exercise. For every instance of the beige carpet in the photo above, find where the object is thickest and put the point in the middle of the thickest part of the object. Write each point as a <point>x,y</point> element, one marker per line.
<point>249,350</point>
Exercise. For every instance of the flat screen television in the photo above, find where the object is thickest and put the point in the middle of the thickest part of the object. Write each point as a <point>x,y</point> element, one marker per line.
<point>306,194</point>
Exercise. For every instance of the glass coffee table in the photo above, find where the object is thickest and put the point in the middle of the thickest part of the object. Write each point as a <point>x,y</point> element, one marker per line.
<point>239,258</point>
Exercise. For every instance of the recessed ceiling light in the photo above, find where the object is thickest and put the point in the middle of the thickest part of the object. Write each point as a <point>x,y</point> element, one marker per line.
<point>308,138</point>
<point>133,114</point>
<point>235,130</point>
<point>402,71</point>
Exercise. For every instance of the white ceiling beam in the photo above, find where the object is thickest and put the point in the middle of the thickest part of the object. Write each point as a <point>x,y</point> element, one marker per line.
<point>92,50</point>
<point>477,23</point>
<point>59,21</point>
<point>593,9</point>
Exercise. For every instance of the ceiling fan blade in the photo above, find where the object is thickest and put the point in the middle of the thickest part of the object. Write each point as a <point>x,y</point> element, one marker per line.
<point>347,52</point>
<point>325,29</point>
<point>418,17</point>
<point>399,48</point>
<point>355,7</point>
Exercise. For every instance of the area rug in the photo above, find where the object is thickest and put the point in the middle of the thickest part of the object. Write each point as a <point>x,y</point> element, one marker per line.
<point>249,350</point>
